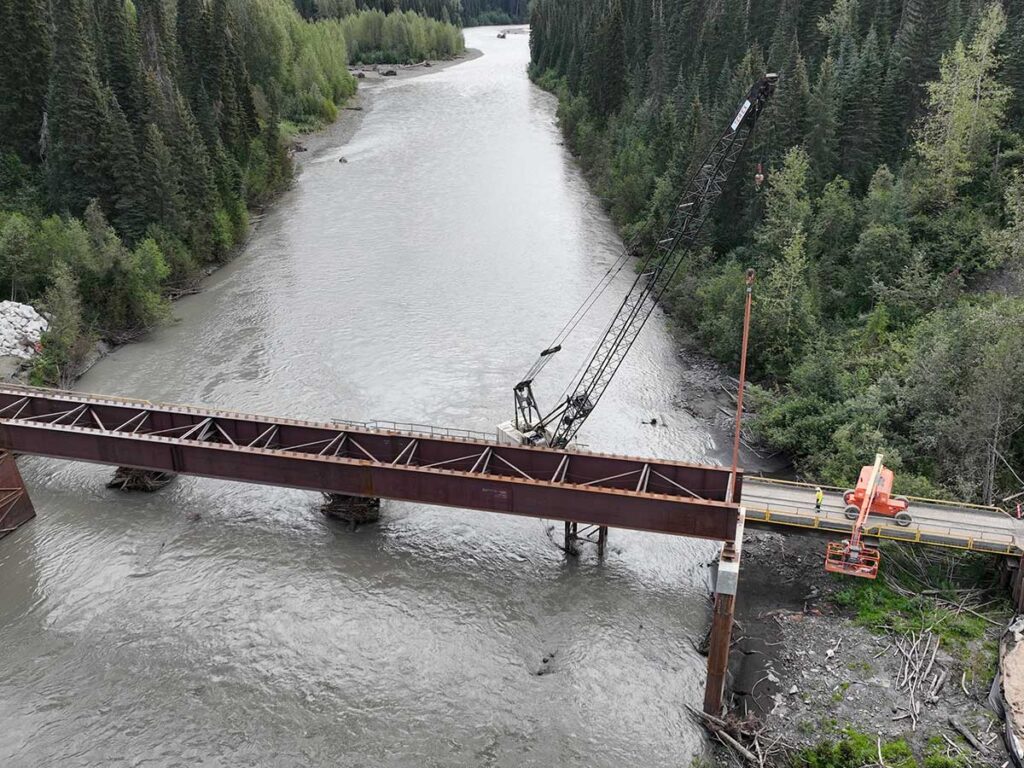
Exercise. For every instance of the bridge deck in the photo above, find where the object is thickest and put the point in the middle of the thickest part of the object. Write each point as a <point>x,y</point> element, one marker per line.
<point>783,504</point>
<point>461,471</point>
<point>659,496</point>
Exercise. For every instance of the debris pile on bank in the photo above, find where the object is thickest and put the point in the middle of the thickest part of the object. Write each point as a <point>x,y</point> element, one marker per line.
<point>808,665</point>
<point>20,329</point>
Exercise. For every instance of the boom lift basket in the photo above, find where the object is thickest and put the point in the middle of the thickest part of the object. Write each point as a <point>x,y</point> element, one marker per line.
<point>840,558</point>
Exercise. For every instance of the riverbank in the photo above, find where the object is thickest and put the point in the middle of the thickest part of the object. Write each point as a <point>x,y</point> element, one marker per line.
<point>350,117</point>
<point>335,136</point>
<point>821,659</point>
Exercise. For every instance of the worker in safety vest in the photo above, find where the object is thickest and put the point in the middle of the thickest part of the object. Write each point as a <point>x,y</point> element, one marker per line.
<point>819,496</point>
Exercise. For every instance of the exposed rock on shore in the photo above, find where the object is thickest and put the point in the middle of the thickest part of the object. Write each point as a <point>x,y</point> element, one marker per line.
<point>20,329</point>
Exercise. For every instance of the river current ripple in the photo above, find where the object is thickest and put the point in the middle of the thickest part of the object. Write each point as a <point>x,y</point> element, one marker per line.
<point>220,624</point>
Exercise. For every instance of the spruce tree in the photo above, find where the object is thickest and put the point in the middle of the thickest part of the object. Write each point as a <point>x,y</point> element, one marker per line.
<point>605,62</point>
<point>915,56</point>
<point>193,29</point>
<point>160,46</point>
<point>24,74</point>
<point>186,143</point>
<point>78,164</point>
<point>1014,67</point>
<point>823,136</point>
<point>789,106</point>
<point>861,121</point>
<point>121,54</point>
<point>163,183</point>
<point>128,210</point>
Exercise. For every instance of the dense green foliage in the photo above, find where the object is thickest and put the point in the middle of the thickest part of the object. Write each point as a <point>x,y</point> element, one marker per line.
<point>298,69</point>
<point>854,749</point>
<point>399,37</point>
<point>134,137</point>
<point>467,13</point>
<point>888,239</point>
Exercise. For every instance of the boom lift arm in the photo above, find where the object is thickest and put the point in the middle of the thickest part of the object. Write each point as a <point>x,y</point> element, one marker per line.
<point>560,425</point>
<point>852,557</point>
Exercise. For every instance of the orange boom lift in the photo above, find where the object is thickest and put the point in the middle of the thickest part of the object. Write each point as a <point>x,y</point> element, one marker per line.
<point>872,495</point>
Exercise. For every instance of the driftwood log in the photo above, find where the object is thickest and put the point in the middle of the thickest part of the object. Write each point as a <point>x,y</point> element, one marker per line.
<point>129,479</point>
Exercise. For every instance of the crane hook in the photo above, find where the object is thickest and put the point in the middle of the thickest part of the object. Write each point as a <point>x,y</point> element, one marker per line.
<point>759,176</point>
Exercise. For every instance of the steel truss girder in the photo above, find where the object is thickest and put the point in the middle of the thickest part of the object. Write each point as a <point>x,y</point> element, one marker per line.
<point>661,496</point>
<point>15,505</point>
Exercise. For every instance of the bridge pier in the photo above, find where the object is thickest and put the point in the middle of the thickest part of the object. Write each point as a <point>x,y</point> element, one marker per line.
<point>15,505</point>
<point>594,534</point>
<point>354,510</point>
<point>146,480</point>
<point>720,639</point>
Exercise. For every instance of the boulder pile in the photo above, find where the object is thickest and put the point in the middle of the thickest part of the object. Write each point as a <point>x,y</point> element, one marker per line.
<point>20,329</point>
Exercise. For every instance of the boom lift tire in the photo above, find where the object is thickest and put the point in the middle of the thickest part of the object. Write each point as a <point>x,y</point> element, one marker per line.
<point>851,512</point>
<point>903,519</point>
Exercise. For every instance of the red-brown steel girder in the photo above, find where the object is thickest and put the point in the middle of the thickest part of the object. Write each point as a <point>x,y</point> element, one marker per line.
<point>622,492</point>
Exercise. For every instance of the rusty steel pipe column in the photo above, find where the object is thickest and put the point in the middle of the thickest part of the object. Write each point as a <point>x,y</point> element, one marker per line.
<point>720,640</point>
<point>718,653</point>
<point>742,382</point>
<point>1017,587</point>
<point>15,505</point>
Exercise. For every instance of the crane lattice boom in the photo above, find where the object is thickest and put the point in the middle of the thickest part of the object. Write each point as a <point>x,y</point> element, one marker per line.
<point>686,221</point>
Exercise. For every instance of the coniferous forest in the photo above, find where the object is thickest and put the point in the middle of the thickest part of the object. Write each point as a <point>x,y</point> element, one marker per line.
<point>889,234</point>
<point>135,135</point>
<point>466,13</point>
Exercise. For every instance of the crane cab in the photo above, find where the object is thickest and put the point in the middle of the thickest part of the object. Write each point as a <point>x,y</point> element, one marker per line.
<point>509,434</point>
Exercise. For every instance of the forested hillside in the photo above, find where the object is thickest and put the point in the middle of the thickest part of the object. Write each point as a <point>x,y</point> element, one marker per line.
<point>135,135</point>
<point>467,13</point>
<point>400,37</point>
<point>888,238</point>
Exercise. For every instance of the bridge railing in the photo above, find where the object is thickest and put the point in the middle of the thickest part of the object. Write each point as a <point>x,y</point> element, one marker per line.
<point>920,499</point>
<point>991,542</point>
<point>413,428</point>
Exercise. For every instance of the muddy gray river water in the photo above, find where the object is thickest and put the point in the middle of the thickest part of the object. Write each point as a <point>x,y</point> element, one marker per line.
<point>225,625</point>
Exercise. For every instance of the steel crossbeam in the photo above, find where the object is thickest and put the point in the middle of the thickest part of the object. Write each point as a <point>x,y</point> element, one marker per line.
<point>662,496</point>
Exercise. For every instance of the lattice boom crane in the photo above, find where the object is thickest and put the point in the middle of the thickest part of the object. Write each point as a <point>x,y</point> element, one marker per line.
<point>560,425</point>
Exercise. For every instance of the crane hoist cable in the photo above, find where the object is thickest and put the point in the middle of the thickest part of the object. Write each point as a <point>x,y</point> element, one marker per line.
<point>659,266</point>
<point>581,312</point>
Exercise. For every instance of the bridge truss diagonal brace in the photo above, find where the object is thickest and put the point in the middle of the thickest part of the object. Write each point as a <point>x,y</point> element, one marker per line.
<point>726,587</point>
<point>593,489</point>
<point>15,505</point>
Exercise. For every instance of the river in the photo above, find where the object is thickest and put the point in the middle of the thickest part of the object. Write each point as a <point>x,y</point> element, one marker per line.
<point>221,624</point>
